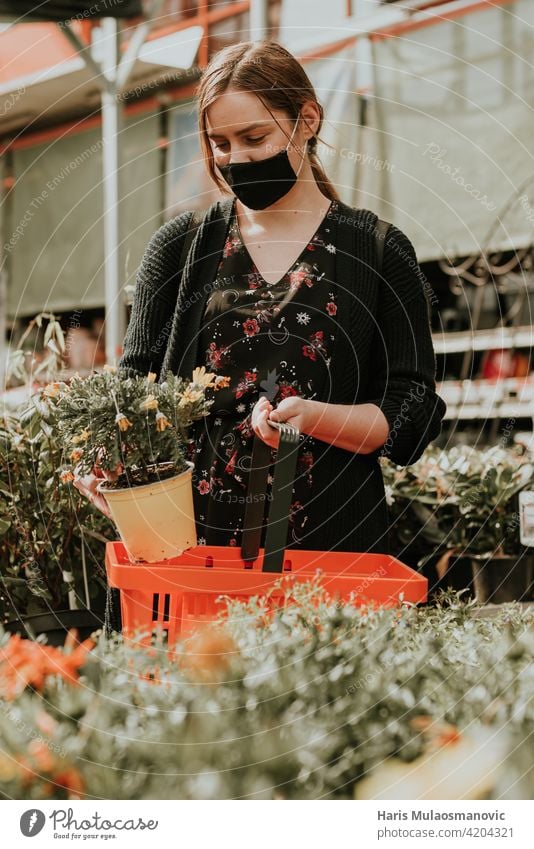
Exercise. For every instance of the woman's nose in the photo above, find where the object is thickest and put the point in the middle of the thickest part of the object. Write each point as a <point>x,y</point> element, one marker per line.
<point>240,154</point>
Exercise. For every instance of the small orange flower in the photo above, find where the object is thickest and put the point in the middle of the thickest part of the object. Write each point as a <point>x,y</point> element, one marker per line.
<point>190,396</point>
<point>162,422</point>
<point>202,377</point>
<point>123,422</point>
<point>52,390</point>
<point>83,436</point>
<point>150,403</point>
<point>72,782</point>
<point>209,654</point>
<point>66,476</point>
<point>24,663</point>
<point>221,382</point>
<point>76,455</point>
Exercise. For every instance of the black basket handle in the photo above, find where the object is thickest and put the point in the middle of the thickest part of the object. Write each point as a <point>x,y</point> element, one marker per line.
<point>284,476</point>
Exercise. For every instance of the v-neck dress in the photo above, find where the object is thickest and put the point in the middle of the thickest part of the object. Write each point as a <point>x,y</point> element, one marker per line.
<point>272,339</point>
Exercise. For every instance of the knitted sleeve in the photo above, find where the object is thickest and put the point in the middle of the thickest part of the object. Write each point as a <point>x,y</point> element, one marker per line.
<point>154,300</point>
<point>404,364</point>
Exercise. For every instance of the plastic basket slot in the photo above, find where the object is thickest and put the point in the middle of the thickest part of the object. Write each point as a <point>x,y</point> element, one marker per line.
<point>167,604</point>
<point>163,609</point>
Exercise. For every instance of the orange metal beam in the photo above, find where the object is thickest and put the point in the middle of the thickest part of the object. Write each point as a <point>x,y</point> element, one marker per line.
<point>411,26</point>
<point>327,49</point>
<point>203,19</point>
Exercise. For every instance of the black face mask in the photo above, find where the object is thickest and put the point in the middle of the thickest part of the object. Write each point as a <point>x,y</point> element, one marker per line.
<point>260,183</point>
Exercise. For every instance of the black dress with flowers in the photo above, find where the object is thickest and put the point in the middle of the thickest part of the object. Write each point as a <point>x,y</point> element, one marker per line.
<point>269,339</point>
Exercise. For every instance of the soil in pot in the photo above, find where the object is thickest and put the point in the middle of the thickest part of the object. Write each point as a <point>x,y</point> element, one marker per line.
<point>55,625</point>
<point>137,477</point>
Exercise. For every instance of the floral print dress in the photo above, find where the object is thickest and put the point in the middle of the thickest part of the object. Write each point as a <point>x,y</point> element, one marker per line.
<point>272,339</point>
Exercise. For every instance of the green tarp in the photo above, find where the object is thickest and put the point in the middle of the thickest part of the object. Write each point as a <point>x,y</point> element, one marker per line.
<point>54,237</point>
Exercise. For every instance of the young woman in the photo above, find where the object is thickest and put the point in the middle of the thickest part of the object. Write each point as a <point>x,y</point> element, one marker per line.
<point>279,293</point>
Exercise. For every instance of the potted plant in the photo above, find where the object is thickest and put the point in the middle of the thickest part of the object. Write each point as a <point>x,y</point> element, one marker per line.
<point>423,517</point>
<point>489,530</point>
<point>141,427</point>
<point>465,502</point>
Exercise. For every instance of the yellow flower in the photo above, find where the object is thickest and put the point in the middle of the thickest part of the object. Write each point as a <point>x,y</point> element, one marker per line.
<point>122,421</point>
<point>81,437</point>
<point>52,390</point>
<point>202,377</point>
<point>222,381</point>
<point>66,477</point>
<point>76,455</point>
<point>110,369</point>
<point>150,403</point>
<point>151,376</point>
<point>190,396</point>
<point>162,421</point>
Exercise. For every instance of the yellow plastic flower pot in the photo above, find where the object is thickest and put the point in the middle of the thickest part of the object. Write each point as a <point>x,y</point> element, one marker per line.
<point>156,521</point>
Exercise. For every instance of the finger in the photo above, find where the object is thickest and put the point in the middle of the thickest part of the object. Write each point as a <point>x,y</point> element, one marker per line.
<point>267,433</point>
<point>98,501</point>
<point>263,404</point>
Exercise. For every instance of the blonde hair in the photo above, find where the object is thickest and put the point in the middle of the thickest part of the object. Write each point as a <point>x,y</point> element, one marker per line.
<point>272,73</point>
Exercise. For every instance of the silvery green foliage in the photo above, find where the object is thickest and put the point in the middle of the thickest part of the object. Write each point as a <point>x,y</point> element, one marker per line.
<point>300,703</point>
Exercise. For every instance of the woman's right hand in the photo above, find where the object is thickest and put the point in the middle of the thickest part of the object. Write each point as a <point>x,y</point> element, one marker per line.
<point>87,484</point>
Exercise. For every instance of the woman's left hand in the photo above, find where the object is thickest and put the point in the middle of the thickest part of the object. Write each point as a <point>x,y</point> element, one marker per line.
<point>293,411</point>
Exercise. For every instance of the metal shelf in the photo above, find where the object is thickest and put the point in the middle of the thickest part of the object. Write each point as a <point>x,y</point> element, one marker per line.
<point>481,340</point>
<point>512,398</point>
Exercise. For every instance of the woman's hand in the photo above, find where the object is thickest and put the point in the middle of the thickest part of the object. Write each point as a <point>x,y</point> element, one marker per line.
<point>293,411</point>
<point>87,484</point>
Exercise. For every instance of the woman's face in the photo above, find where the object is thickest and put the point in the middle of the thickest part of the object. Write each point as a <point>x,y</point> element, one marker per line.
<point>241,129</point>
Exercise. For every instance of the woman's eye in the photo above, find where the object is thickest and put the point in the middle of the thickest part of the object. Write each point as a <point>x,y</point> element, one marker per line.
<point>250,140</point>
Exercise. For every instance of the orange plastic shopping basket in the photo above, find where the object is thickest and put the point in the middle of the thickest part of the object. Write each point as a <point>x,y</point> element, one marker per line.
<point>179,594</point>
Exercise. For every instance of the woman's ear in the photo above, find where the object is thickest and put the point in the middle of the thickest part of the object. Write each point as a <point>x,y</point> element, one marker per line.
<point>311,117</point>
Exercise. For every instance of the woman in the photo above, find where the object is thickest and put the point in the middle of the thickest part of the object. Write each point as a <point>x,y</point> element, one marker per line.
<point>279,294</point>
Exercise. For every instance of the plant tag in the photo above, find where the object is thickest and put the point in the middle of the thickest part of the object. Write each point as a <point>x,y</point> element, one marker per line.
<point>526,512</point>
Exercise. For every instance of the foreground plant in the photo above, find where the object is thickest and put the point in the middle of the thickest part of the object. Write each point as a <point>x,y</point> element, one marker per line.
<point>51,540</point>
<point>305,703</point>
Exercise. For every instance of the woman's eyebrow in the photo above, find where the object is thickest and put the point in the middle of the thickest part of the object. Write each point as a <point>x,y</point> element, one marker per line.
<point>242,132</point>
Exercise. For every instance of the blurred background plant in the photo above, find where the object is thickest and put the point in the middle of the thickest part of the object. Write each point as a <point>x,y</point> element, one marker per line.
<point>52,541</point>
<point>460,501</point>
